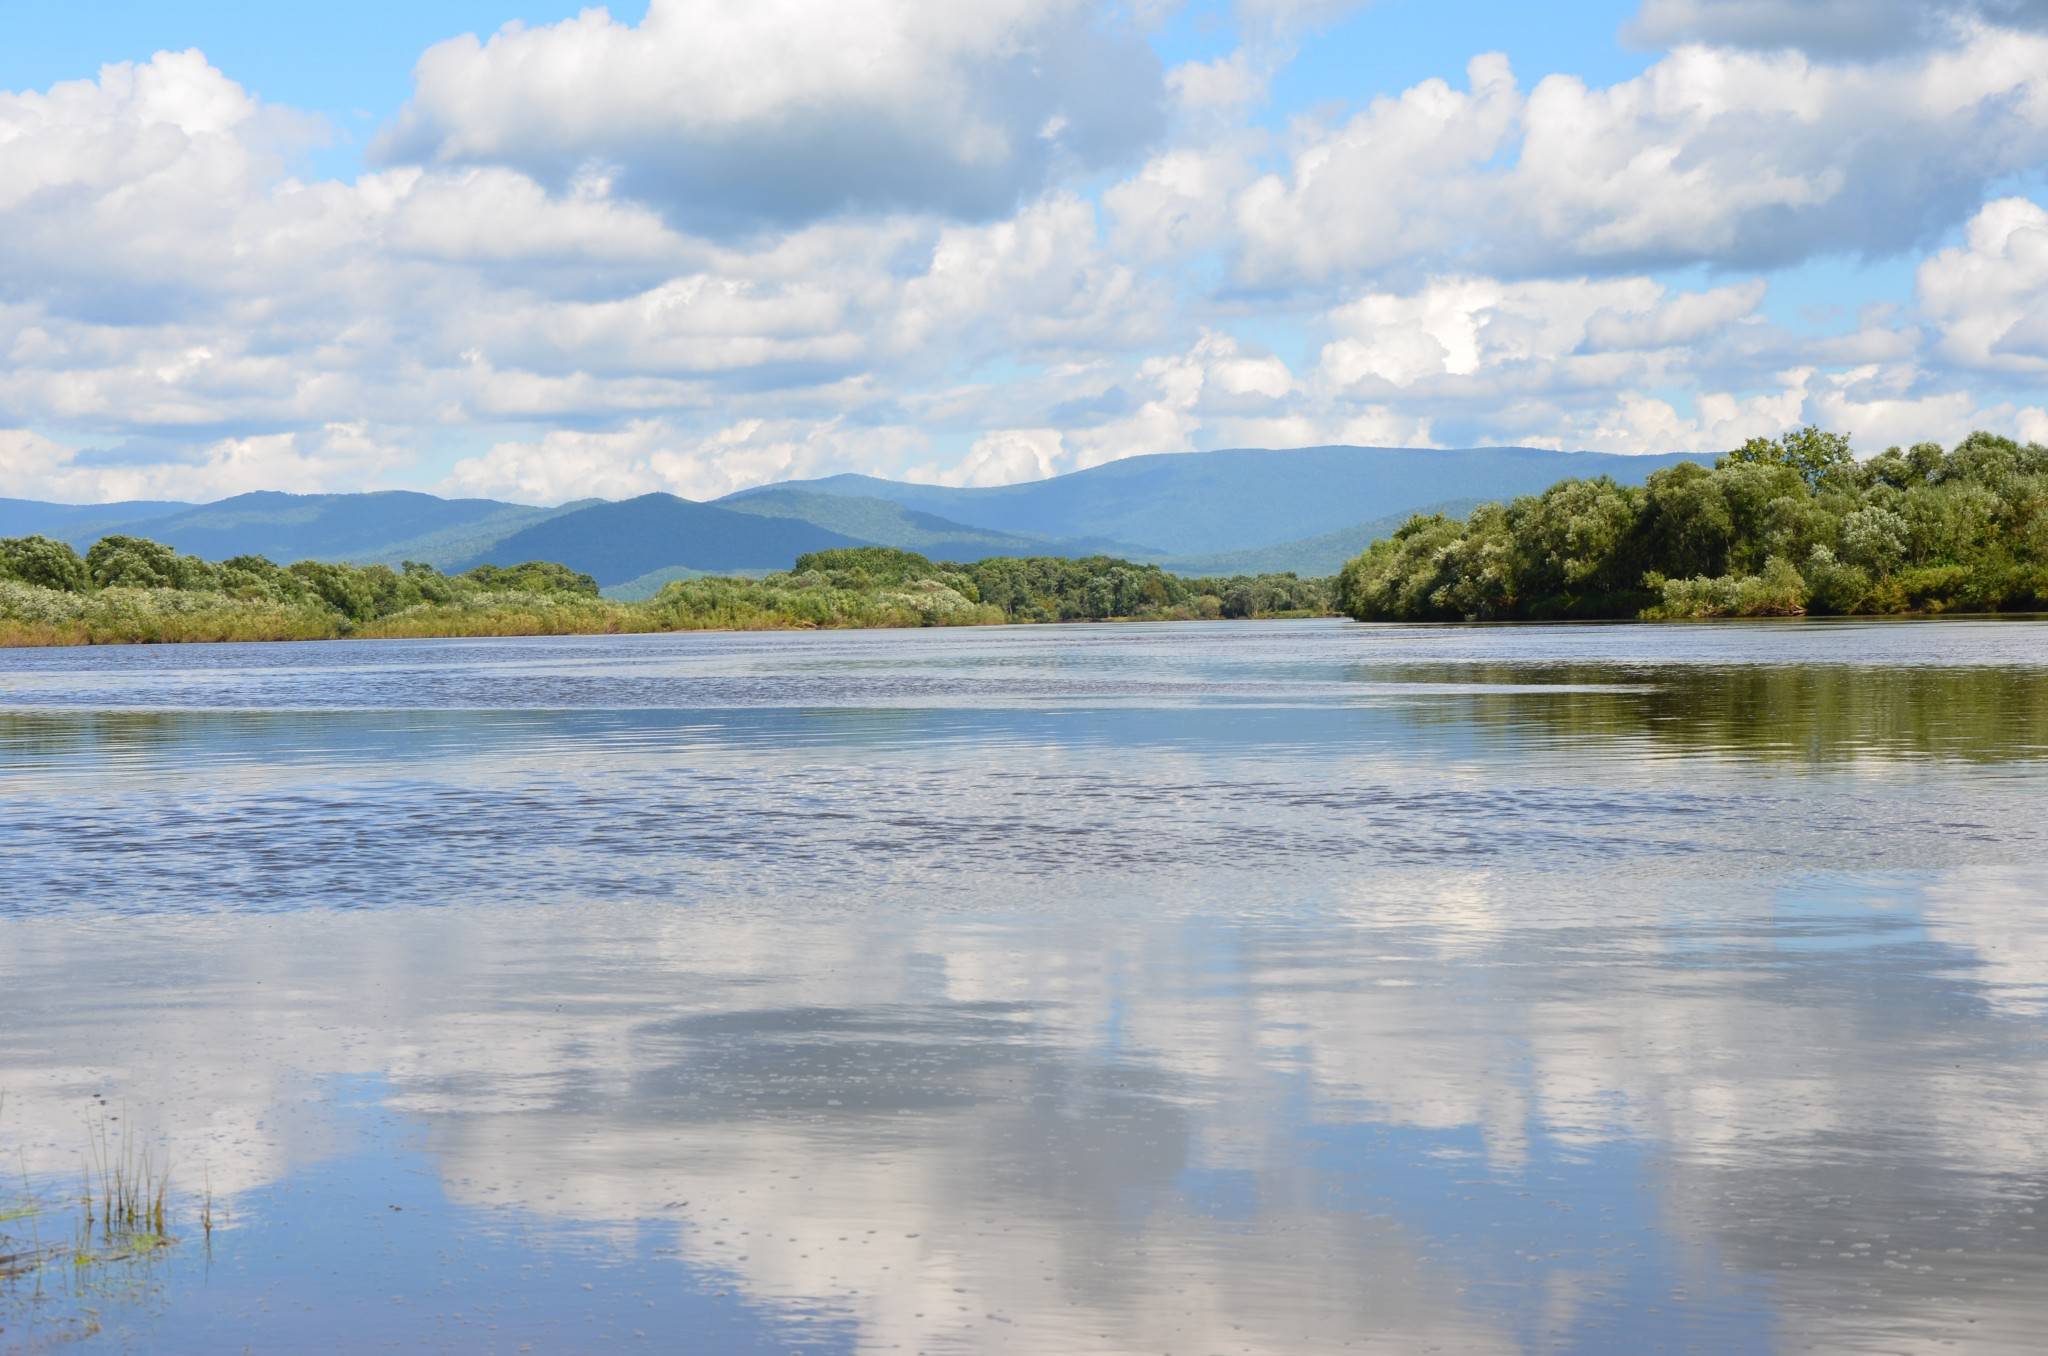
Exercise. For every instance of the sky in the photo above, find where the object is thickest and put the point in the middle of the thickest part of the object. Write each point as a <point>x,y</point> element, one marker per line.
<point>530,252</point>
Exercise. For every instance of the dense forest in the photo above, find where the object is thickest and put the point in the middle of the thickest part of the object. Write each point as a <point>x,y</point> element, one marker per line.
<point>1782,527</point>
<point>128,589</point>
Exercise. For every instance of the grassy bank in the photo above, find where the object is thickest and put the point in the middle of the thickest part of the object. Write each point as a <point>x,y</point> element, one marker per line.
<point>1794,527</point>
<point>127,590</point>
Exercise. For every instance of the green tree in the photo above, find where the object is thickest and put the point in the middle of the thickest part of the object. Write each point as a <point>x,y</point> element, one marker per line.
<point>45,563</point>
<point>1816,455</point>
<point>132,563</point>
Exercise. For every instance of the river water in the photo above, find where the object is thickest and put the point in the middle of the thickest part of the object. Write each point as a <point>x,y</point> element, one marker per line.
<point>1252,987</point>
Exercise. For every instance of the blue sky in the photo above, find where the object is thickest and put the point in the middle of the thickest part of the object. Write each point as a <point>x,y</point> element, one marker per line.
<point>693,247</point>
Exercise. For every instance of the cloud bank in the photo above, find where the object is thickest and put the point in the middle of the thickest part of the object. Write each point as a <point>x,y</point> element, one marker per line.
<point>722,246</point>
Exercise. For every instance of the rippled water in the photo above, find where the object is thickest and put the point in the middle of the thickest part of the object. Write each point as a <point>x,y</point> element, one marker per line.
<point>1235,988</point>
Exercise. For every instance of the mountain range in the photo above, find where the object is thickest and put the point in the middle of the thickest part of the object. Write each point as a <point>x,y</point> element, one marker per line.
<point>1238,511</point>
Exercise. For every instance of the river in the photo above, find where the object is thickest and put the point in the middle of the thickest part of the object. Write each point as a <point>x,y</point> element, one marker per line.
<point>1248,987</point>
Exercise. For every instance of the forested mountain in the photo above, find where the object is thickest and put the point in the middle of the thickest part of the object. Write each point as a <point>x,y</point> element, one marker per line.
<point>621,542</point>
<point>32,517</point>
<point>884,522</point>
<point>387,526</point>
<point>1305,510</point>
<point>1317,556</point>
<point>1208,503</point>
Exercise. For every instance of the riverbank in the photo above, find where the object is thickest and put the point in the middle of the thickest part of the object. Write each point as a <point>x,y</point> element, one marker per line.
<point>252,600</point>
<point>1794,527</point>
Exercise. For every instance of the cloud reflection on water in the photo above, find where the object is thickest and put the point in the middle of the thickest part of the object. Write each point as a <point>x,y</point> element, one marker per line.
<point>1506,1019</point>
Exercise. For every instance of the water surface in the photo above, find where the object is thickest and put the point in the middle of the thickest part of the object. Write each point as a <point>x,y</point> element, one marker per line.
<point>1238,988</point>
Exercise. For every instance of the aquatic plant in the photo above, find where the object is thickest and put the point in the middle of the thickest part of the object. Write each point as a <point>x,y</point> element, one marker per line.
<point>124,1211</point>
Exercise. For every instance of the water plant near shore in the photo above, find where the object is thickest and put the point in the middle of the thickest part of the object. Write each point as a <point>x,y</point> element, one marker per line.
<point>124,1212</point>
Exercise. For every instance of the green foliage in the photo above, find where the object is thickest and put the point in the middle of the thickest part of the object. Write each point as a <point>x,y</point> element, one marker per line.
<point>878,564</point>
<point>534,576</point>
<point>44,563</point>
<point>1774,528</point>
<point>1817,456</point>
<point>129,589</point>
<point>136,563</point>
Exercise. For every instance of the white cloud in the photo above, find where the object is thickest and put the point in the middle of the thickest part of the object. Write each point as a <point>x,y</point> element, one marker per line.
<point>1882,406</point>
<point>651,454</point>
<point>1682,319</point>
<point>339,457</point>
<point>1382,187</point>
<point>1224,85</point>
<point>1837,27</point>
<point>1731,158</point>
<point>731,116</point>
<point>1179,203</point>
<point>1474,326</point>
<point>1474,262</point>
<point>1990,294</point>
<point>1003,457</point>
<point>1037,280</point>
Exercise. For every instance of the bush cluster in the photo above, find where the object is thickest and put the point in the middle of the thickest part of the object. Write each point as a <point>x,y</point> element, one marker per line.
<point>129,588</point>
<point>1779,527</point>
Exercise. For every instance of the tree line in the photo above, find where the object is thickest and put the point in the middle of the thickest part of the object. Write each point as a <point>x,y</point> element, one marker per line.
<point>128,588</point>
<point>1777,527</point>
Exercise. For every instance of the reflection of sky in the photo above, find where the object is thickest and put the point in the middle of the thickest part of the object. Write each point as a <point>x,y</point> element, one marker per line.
<point>1502,1022</point>
<point>396,1260</point>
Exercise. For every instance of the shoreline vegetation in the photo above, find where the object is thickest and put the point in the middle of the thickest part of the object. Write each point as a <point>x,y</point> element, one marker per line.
<point>1786,528</point>
<point>1790,527</point>
<point>129,590</point>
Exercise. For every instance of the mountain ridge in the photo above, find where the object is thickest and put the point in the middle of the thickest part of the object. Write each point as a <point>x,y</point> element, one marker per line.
<point>1232,510</point>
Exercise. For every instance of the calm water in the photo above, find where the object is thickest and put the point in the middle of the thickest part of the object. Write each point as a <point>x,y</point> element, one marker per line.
<point>1287,987</point>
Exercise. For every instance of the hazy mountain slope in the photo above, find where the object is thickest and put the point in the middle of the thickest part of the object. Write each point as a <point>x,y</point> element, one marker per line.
<point>1209,503</point>
<point>465,541</point>
<point>357,527</point>
<point>1207,512</point>
<point>618,543</point>
<point>33,518</point>
<point>887,523</point>
<point>1323,554</point>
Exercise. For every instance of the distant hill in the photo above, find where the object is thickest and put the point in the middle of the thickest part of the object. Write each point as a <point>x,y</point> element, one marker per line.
<point>33,518</point>
<point>1209,503</point>
<point>383,526</point>
<point>619,543</point>
<point>1306,510</point>
<point>887,523</point>
<point>1312,556</point>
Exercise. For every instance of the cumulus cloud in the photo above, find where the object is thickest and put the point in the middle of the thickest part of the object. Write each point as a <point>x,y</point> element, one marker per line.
<point>1037,280</point>
<point>672,255</point>
<point>1730,158</point>
<point>732,117</point>
<point>340,457</point>
<point>1223,85</point>
<point>1832,27</point>
<point>1579,331</point>
<point>1180,202</point>
<point>1989,295</point>
<point>1003,457</point>
<point>652,454</point>
<point>1628,365</point>
<point>1385,185</point>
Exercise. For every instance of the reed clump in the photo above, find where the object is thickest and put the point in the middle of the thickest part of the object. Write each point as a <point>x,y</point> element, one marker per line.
<point>124,1212</point>
<point>122,1198</point>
